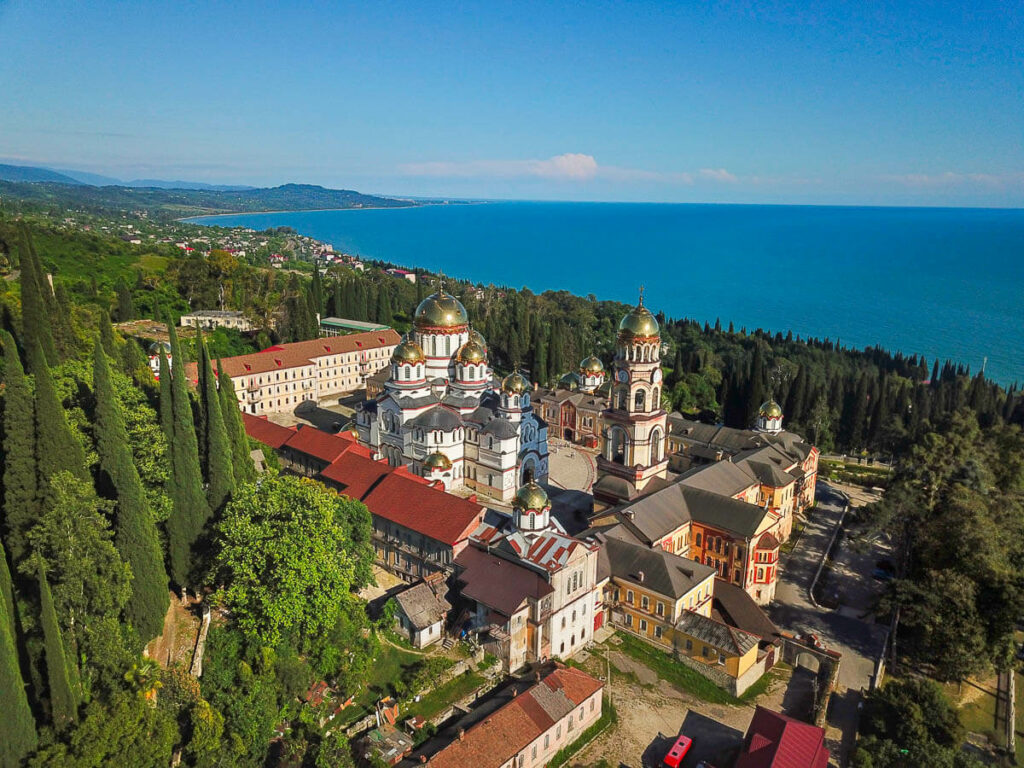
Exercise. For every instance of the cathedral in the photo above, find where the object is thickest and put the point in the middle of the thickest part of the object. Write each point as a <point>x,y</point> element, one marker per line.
<point>444,415</point>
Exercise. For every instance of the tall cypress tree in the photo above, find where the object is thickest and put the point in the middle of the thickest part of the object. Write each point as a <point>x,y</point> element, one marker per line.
<point>190,509</point>
<point>20,483</point>
<point>17,727</point>
<point>60,671</point>
<point>57,447</point>
<point>201,414</point>
<point>219,477</point>
<point>35,314</point>
<point>135,534</point>
<point>166,400</point>
<point>244,469</point>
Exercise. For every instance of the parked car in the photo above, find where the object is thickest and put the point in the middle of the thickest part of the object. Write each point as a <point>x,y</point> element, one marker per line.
<point>675,756</point>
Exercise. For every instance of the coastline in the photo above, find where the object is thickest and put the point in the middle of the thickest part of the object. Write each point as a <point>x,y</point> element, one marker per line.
<point>194,219</point>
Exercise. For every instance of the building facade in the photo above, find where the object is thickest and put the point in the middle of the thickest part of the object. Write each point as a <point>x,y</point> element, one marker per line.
<point>207,319</point>
<point>574,408</point>
<point>442,415</point>
<point>634,424</point>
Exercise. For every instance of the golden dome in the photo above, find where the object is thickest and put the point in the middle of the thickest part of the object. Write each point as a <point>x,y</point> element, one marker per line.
<point>471,352</point>
<point>592,366</point>
<point>408,352</point>
<point>515,384</point>
<point>770,410</point>
<point>570,382</point>
<point>437,461</point>
<point>531,497</point>
<point>475,335</point>
<point>638,322</point>
<point>441,310</point>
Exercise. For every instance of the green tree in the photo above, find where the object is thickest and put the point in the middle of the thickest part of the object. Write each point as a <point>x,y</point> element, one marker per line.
<point>58,448</point>
<point>190,508</point>
<point>166,398</point>
<point>244,468</point>
<point>20,504</point>
<point>135,533</point>
<point>125,302</point>
<point>17,726</point>
<point>61,672</point>
<point>220,477</point>
<point>290,551</point>
<point>35,312</point>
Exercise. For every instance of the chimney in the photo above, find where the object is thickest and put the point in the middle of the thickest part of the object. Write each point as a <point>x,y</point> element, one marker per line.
<point>462,734</point>
<point>423,759</point>
<point>628,514</point>
<point>640,577</point>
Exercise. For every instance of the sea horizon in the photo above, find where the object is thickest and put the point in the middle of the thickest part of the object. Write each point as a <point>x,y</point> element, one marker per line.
<point>929,280</point>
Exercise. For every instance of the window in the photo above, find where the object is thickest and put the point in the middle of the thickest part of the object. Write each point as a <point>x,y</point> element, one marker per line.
<point>657,631</point>
<point>629,620</point>
<point>698,540</point>
<point>643,625</point>
<point>660,608</point>
<point>689,644</point>
<point>705,652</point>
<point>591,705</point>
<point>645,602</point>
<point>629,596</point>
<point>547,740</point>
<point>533,752</point>
<point>721,658</point>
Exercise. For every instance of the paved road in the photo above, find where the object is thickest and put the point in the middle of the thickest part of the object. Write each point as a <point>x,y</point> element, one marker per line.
<point>858,639</point>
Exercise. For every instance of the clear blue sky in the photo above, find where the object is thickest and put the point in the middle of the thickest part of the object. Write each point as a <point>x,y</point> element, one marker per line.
<point>845,102</point>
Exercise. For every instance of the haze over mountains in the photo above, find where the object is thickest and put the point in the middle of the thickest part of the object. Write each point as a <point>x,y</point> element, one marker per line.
<point>64,176</point>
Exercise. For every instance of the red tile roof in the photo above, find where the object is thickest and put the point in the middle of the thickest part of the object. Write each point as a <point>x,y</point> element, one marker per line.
<point>776,741</point>
<point>337,345</point>
<point>266,432</point>
<point>323,445</point>
<point>403,498</point>
<point>512,728</point>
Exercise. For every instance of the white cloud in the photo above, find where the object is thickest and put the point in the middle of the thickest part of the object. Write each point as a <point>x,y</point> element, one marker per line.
<point>571,166</point>
<point>717,174</point>
<point>953,179</point>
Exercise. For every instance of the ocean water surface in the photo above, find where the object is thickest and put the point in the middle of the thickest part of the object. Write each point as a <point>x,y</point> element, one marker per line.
<point>941,282</point>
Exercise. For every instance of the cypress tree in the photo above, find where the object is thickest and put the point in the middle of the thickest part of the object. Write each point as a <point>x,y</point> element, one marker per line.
<point>57,447</point>
<point>317,290</point>
<point>107,334</point>
<point>219,477</point>
<point>7,589</point>
<point>17,727</point>
<point>201,414</point>
<point>135,534</point>
<point>166,405</point>
<point>60,671</point>
<point>190,510</point>
<point>244,469</point>
<point>125,302</point>
<point>20,481</point>
<point>35,313</point>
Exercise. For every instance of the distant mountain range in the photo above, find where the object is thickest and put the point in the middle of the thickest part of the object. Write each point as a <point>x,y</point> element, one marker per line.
<point>63,176</point>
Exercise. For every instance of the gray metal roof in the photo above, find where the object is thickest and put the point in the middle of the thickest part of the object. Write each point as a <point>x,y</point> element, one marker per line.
<point>438,418</point>
<point>716,634</point>
<point>654,569</point>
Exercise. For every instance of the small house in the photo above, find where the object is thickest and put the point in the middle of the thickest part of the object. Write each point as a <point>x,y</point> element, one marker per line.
<point>422,613</point>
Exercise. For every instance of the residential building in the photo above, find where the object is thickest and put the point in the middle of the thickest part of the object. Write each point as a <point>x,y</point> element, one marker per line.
<point>422,611</point>
<point>442,415</point>
<point>207,319</point>
<point>776,741</point>
<point>403,273</point>
<point>532,588</point>
<point>574,408</point>
<point>532,728</point>
<point>340,326</point>
<point>281,377</point>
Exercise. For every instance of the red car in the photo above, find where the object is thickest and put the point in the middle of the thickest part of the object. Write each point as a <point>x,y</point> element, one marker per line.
<point>675,756</point>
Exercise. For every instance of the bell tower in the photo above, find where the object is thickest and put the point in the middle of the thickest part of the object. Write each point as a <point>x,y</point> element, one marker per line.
<point>633,438</point>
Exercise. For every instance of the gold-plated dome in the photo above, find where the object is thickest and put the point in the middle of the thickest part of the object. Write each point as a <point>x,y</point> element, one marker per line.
<point>515,383</point>
<point>638,322</point>
<point>770,410</point>
<point>408,352</point>
<point>440,310</point>
<point>475,335</point>
<point>591,366</point>
<point>570,382</point>
<point>437,461</point>
<point>471,353</point>
<point>531,497</point>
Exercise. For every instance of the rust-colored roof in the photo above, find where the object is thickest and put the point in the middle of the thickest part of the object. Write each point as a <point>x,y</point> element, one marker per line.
<point>497,739</point>
<point>338,345</point>
<point>500,584</point>
<point>776,741</point>
<point>323,445</point>
<point>396,495</point>
<point>265,431</point>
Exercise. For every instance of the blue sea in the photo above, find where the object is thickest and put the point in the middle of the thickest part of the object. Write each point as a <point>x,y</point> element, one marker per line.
<point>945,283</point>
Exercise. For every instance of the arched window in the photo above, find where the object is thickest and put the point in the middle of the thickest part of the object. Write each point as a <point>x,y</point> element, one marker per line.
<point>640,401</point>
<point>617,442</point>
<point>656,445</point>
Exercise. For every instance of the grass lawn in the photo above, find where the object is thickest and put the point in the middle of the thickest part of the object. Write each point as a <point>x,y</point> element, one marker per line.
<point>767,680</point>
<point>388,667</point>
<point>444,696</point>
<point>152,263</point>
<point>674,672</point>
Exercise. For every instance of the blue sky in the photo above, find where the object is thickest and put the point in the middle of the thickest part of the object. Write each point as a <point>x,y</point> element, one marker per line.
<point>854,102</point>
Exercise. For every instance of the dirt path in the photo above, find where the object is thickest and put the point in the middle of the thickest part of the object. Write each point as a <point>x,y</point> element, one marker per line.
<point>176,643</point>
